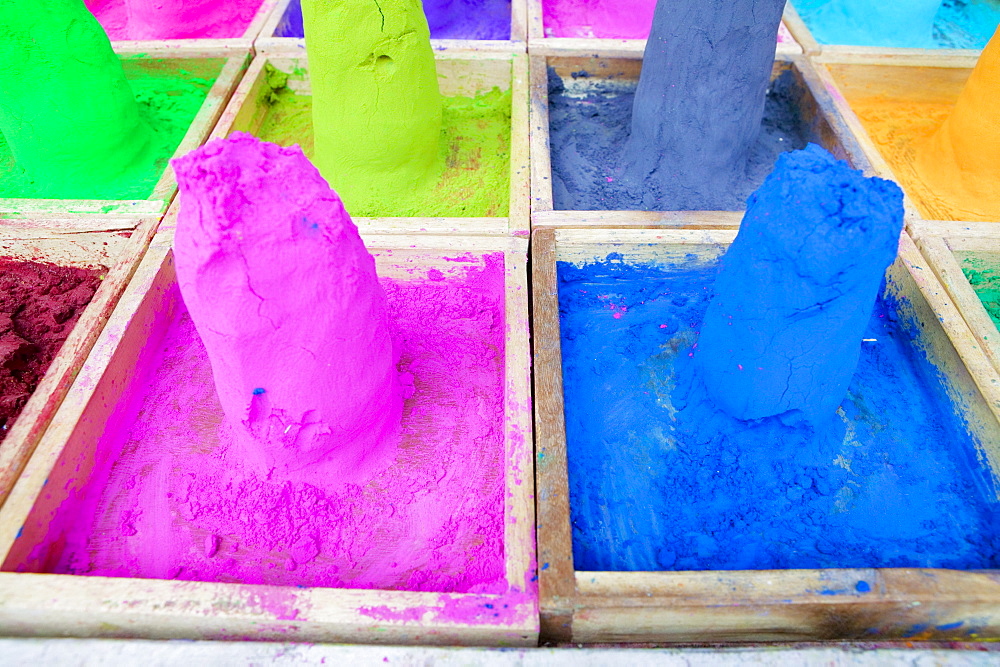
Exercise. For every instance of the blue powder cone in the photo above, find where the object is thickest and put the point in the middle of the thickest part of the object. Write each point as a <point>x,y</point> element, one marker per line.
<point>782,335</point>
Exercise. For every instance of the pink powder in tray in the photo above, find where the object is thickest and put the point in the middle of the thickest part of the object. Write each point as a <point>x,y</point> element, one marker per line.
<point>174,19</point>
<point>169,499</point>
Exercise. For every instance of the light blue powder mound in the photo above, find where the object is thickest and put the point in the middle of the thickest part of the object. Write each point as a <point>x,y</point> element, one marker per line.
<point>927,24</point>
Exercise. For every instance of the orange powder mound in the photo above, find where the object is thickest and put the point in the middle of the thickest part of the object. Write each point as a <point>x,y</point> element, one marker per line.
<point>960,163</point>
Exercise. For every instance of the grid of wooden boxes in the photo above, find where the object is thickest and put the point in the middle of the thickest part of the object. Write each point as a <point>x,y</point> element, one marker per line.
<point>554,601</point>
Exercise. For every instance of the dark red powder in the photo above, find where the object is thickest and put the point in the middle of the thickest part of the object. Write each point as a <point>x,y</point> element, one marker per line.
<point>39,304</point>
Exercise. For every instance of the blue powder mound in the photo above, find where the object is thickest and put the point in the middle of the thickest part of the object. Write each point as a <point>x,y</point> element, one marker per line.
<point>654,488</point>
<point>588,133</point>
<point>953,24</point>
<point>447,19</point>
<point>783,333</point>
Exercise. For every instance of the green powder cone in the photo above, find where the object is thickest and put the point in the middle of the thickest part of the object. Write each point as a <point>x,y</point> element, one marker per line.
<point>376,104</point>
<point>66,110</point>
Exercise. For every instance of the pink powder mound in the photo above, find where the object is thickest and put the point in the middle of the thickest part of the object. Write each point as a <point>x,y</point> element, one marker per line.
<point>174,19</point>
<point>172,498</point>
<point>620,19</point>
<point>285,299</point>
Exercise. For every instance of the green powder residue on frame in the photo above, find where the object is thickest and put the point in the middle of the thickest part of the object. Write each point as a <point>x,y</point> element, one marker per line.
<point>169,98</point>
<point>474,146</point>
<point>985,280</point>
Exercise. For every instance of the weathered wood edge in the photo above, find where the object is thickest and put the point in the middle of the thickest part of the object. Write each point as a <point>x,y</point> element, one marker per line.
<point>541,164</point>
<point>45,605</point>
<point>519,472</point>
<point>938,245</point>
<point>557,587</point>
<point>30,427</point>
<point>519,209</point>
<point>800,31</point>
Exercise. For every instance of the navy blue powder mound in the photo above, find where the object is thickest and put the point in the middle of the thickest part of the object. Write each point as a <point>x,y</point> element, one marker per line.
<point>588,135</point>
<point>902,488</point>
<point>447,19</point>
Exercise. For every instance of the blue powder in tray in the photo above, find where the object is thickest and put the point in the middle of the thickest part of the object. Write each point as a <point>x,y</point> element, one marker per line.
<point>903,489</point>
<point>958,24</point>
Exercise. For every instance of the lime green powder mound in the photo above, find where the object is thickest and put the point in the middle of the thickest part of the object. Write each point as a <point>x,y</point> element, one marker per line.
<point>169,94</point>
<point>474,149</point>
<point>375,95</point>
<point>985,281</point>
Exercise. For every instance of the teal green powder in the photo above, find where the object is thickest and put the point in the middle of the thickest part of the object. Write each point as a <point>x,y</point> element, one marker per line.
<point>170,92</point>
<point>985,280</point>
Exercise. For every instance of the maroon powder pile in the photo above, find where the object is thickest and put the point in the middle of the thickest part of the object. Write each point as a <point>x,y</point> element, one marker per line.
<point>39,304</point>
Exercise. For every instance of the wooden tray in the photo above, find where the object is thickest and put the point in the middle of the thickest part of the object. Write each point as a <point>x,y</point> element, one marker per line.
<point>818,113</point>
<point>906,76</point>
<point>742,606</point>
<point>228,62</point>
<point>83,606</point>
<point>460,72</point>
<point>540,45</point>
<point>112,242</point>
<point>946,245</point>
<point>243,43</point>
<point>268,41</point>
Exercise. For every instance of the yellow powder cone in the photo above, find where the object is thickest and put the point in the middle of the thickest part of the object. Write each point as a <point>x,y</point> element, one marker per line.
<point>960,163</point>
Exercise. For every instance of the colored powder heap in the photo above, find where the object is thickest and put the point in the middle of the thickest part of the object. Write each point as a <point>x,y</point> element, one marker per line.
<point>985,280</point>
<point>376,105</point>
<point>902,23</point>
<point>169,96</point>
<point>648,492</point>
<point>799,469</point>
<point>625,19</point>
<point>66,110</point>
<point>474,146</point>
<point>173,497</point>
<point>782,335</point>
<point>39,305</point>
<point>960,163</point>
<point>589,123</point>
<point>174,19</point>
<point>447,19</point>
<point>951,24</point>
<point>261,241</point>
<point>700,100</point>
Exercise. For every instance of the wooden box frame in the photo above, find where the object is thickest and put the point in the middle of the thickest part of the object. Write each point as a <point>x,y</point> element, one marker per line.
<point>941,243</point>
<point>461,72</point>
<point>243,43</point>
<point>114,242</point>
<point>817,109</point>
<point>742,606</point>
<point>540,45</point>
<point>83,606</point>
<point>236,59</point>
<point>268,41</point>
<point>900,67</point>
